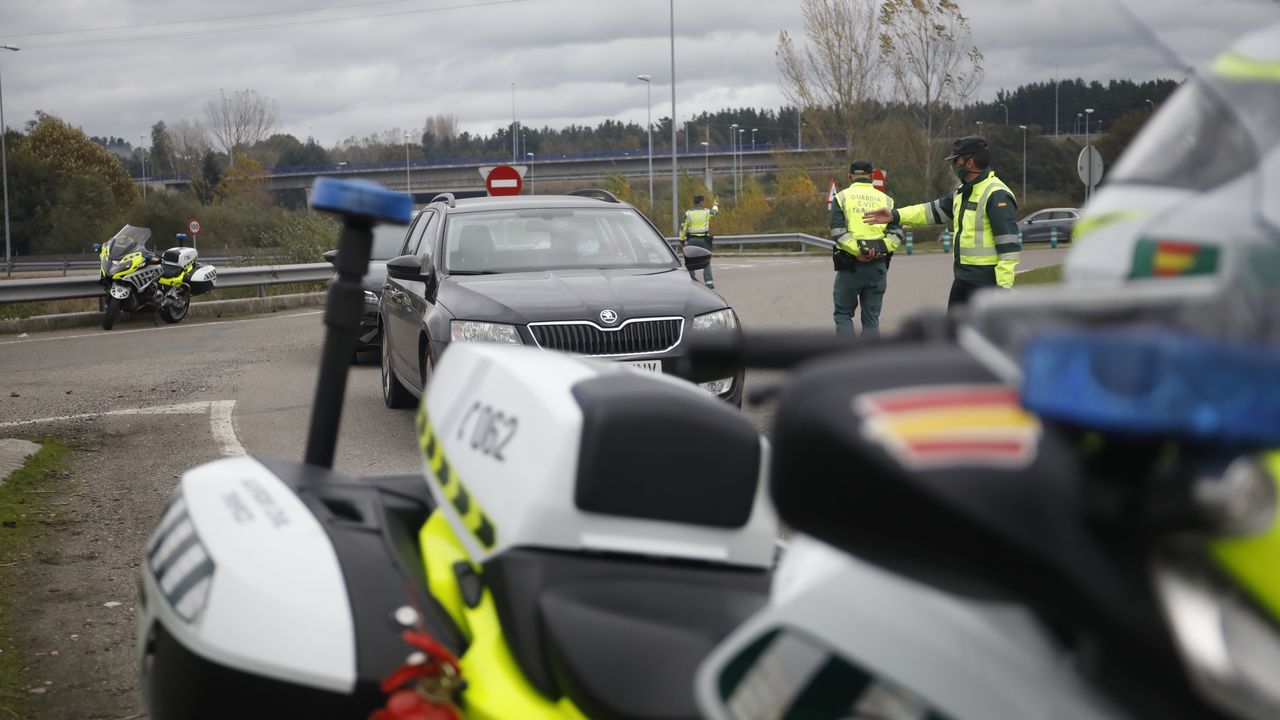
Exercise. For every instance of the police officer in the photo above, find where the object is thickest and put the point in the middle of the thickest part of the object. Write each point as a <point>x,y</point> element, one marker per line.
<point>982,214</point>
<point>696,229</point>
<point>862,252</point>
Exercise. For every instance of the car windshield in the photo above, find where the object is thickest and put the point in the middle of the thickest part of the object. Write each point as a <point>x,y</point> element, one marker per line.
<point>1199,141</point>
<point>553,238</point>
<point>387,240</point>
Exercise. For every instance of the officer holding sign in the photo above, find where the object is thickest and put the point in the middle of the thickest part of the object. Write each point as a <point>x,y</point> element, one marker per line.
<point>862,252</point>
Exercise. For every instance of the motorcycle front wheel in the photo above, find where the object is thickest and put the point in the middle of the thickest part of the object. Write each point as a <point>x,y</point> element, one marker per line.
<point>109,315</point>
<point>173,310</point>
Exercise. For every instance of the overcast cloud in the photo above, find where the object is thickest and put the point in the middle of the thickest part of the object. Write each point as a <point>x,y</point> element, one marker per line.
<point>359,67</point>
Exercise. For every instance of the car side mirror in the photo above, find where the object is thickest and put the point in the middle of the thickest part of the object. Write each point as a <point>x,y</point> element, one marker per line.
<point>331,256</point>
<point>696,258</point>
<point>407,267</point>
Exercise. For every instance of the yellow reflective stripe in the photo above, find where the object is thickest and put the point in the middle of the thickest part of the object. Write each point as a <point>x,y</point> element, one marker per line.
<point>464,503</point>
<point>1235,66</point>
<point>697,220</point>
<point>1088,224</point>
<point>913,215</point>
<point>496,686</point>
<point>1253,561</point>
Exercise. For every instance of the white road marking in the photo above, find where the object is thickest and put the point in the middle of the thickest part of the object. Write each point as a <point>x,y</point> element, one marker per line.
<point>161,328</point>
<point>220,420</point>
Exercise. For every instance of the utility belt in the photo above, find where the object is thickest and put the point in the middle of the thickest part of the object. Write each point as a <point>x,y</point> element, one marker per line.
<point>706,235</point>
<point>842,260</point>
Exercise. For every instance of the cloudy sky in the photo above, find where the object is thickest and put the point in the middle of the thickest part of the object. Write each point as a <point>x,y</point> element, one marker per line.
<point>342,68</point>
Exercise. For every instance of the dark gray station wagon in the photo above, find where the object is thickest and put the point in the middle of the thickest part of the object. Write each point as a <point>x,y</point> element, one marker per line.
<point>582,273</point>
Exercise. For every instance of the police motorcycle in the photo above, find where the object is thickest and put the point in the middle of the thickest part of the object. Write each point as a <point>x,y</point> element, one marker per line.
<point>571,553</point>
<point>136,279</point>
<point>1063,504</point>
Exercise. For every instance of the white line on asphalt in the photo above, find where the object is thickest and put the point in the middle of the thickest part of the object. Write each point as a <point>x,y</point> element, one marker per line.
<point>163,328</point>
<point>220,420</point>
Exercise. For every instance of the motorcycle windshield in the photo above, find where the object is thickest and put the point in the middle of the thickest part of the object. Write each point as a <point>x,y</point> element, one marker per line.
<point>128,240</point>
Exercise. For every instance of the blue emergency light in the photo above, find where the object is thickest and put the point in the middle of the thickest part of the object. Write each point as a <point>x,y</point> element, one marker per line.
<point>1155,382</point>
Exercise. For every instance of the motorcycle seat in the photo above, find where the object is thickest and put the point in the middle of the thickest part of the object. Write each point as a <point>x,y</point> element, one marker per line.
<point>171,269</point>
<point>622,637</point>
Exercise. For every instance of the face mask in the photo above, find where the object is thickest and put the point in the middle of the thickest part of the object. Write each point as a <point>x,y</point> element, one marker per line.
<point>958,171</point>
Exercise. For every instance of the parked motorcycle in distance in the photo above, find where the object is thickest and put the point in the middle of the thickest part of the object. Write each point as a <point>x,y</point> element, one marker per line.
<point>136,279</point>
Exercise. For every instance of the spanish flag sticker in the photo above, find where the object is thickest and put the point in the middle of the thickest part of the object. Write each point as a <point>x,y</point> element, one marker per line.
<point>1165,258</point>
<point>951,425</point>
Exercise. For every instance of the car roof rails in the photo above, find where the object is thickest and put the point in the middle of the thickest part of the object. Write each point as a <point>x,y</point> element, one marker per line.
<point>445,197</point>
<point>597,193</point>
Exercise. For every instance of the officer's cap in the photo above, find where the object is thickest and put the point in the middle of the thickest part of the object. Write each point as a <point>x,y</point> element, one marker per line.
<point>698,198</point>
<point>967,146</point>
<point>860,167</point>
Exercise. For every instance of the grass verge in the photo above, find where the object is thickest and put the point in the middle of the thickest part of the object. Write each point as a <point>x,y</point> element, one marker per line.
<point>1050,275</point>
<point>22,497</point>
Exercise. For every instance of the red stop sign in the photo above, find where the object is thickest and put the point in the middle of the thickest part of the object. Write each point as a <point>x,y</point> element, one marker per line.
<point>877,179</point>
<point>503,180</point>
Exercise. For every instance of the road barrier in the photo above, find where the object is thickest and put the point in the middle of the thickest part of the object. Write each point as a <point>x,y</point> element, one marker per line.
<point>64,288</point>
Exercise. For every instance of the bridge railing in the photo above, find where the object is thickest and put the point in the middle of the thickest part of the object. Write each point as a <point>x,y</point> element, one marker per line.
<point>65,288</point>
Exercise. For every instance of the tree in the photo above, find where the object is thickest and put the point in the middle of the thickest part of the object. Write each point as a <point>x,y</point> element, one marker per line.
<point>188,144</point>
<point>161,150</point>
<point>837,70</point>
<point>204,183</point>
<point>239,120</point>
<point>244,183</point>
<point>929,51</point>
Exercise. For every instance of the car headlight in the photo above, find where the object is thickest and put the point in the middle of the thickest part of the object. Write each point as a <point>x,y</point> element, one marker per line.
<point>719,320</point>
<point>469,331</point>
<point>1231,651</point>
<point>370,297</point>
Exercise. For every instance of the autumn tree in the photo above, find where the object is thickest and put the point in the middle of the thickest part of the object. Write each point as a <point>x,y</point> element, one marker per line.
<point>188,144</point>
<point>239,120</point>
<point>836,69</point>
<point>929,52</point>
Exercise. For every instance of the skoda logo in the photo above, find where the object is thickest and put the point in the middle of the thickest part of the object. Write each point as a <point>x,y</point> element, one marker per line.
<point>608,317</point>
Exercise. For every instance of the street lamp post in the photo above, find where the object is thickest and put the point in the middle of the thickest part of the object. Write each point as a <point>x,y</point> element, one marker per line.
<point>408,184</point>
<point>799,132</point>
<point>1056,82</point>
<point>1088,186</point>
<point>1006,113</point>
<point>706,172</point>
<point>648,85</point>
<point>1153,105</point>
<point>142,155</point>
<point>733,155</point>
<point>1075,129</point>
<point>530,156</point>
<point>1024,162</point>
<point>979,127</point>
<point>4,171</point>
<point>675,185</point>
<point>741,160</point>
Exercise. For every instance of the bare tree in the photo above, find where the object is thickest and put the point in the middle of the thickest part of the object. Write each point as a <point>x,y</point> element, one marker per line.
<point>188,144</point>
<point>239,120</point>
<point>927,46</point>
<point>442,127</point>
<point>838,68</point>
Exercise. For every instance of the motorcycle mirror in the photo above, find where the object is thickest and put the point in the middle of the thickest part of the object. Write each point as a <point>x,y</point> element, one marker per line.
<point>696,258</point>
<point>96,247</point>
<point>330,256</point>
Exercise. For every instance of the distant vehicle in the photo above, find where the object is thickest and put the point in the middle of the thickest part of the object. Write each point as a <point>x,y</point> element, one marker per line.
<point>387,241</point>
<point>1039,225</point>
<point>583,273</point>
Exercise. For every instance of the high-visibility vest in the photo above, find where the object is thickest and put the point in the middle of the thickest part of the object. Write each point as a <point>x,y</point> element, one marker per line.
<point>697,221</point>
<point>975,244</point>
<point>854,200</point>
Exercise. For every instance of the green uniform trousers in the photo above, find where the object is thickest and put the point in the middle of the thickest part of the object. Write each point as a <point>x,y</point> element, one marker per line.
<point>866,285</point>
<point>703,241</point>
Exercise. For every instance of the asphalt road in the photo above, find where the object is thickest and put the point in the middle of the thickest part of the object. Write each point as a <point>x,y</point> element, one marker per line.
<point>267,364</point>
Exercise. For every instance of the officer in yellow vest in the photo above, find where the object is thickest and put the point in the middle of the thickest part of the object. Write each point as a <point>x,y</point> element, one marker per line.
<point>982,214</point>
<point>696,229</point>
<point>862,252</point>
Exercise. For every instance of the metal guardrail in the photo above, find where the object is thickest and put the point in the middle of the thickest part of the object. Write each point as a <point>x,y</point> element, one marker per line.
<point>65,264</point>
<point>14,291</point>
<point>64,288</point>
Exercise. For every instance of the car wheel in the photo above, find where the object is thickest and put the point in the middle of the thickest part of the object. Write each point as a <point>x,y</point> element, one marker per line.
<point>427,366</point>
<point>394,395</point>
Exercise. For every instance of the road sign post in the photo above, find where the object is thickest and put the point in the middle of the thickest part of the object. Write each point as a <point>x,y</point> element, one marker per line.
<point>193,227</point>
<point>831,193</point>
<point>878,179</point>
<point>1089,166</point>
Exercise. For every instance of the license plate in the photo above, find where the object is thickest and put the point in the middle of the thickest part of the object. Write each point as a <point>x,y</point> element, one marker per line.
<point>650,365</point>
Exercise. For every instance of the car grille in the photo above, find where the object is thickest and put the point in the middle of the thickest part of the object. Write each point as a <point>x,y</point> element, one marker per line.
<point>633,337</point>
